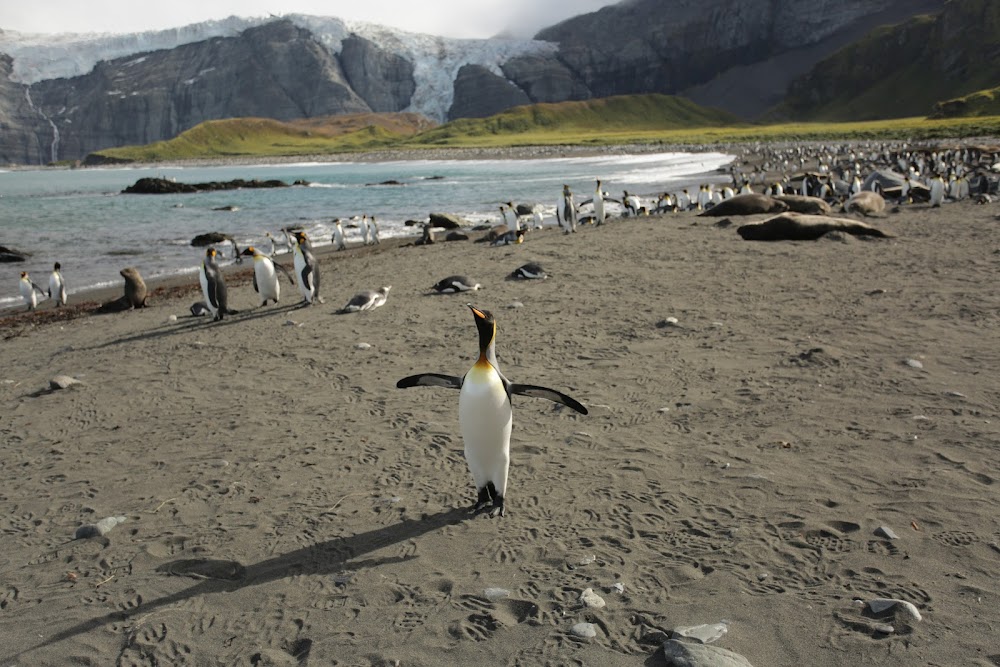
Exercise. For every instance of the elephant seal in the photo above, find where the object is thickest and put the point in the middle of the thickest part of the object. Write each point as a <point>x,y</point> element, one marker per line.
<point>802,227</point>
<point>804,204</point>
<point>746,205</point>
<point>867,203</point>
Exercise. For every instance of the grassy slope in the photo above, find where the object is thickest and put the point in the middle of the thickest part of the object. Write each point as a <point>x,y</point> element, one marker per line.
<point>618,120</point>
<point>979,103</point>
<point>266,137</point>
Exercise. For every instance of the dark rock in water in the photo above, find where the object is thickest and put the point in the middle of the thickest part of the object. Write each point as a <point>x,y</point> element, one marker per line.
<point>11,255</point>
<point>414,223</point>
<point>209,238</point>
<point>525,209</point>
<point>389,182</point>
<point>448,221</point>
<point>230,207</point>
<point>434,178</point>
<point>456,236</point>
<point>163,186</point>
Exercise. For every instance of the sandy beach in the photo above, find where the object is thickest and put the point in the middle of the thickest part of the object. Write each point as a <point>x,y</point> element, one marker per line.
<point>285,504</point>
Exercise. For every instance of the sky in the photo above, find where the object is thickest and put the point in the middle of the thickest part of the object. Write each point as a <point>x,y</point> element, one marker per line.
<point>447,18</point>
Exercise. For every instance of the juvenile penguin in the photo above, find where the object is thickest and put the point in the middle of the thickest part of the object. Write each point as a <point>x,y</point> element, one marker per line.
<point>57,286</point>
<point>28,290</point>
<point>265,279</point>
<point>485,414</point>
<point>367,300</point>
<point>213,286</point>
<point>453,284</point>
<point>306,269</point>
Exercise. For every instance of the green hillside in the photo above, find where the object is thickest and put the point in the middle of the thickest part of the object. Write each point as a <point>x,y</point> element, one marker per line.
<point>605,120</point>
<point>265,137</point>
<point>903,70</point>
<point>977,104</point>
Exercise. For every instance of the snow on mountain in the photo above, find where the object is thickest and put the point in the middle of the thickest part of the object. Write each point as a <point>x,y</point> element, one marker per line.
<point>436,60</point>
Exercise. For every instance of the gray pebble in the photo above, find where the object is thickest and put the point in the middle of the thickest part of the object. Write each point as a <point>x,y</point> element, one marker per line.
<point>683,654</point>
<point>884,628</point>
<point>63,382</point>
<point>886,531</point>
<point>913,363</point>
<point>363,346</point>
<point>516,304</point>
<point>99,529</point>
<point>592,599</point>
<point>585,630</point>
<point>494,594</point>
<point>618,587</point>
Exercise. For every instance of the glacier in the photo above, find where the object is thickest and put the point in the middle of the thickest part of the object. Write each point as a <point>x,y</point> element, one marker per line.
<point>436,60</point>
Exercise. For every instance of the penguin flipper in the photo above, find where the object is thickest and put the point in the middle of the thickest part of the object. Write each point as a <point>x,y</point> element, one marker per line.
<point>283,269</point>
<point>548,394</point>
<point>255,288</point>
<point>39,289</point>
<point>431,380</point>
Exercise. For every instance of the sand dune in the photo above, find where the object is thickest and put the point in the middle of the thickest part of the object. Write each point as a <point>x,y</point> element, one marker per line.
<point>285,504</point>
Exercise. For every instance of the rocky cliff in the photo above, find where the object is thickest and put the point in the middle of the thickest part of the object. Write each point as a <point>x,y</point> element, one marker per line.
<point>738,56</point>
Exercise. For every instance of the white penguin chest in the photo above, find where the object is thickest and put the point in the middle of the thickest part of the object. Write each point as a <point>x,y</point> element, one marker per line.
<point>484,411</point>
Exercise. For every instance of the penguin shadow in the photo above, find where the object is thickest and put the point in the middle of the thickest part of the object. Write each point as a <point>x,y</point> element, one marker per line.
<point>192,323</point>
<point>220,576</point>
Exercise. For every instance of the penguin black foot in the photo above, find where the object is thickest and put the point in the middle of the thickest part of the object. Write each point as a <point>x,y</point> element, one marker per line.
<point>483,500</point>
<point>498,508</point>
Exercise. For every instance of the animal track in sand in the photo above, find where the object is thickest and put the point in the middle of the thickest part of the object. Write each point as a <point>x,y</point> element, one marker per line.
<point>956,538</point>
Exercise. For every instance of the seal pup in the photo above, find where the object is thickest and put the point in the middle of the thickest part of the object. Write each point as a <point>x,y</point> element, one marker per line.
<point>265,279</point>
<point>367,300</point>
<point>454,284</point>
<point>213,286</point>
<point>485,413</point>
<point>529,271</point>
<point>866,202</point>
<point>57,286</point>
<point>135,288</point>
<point>28,290</point>
<point>306,269</point>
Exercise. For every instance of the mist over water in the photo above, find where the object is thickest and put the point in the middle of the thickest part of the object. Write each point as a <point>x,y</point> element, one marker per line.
<point>80,218</point>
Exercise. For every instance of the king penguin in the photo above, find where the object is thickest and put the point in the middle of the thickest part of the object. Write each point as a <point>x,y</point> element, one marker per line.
<point>599,204</point>
<point>265,279</point>
<point>306,269</point>
<point>485,414</point>
<point>57,286</point>
<point>338,235</point>
<point>28,290</point>
<point>213,286</point>
<point>568,211</point>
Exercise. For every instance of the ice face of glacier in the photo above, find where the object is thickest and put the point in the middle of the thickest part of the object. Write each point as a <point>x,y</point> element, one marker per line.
<point>436,60</point>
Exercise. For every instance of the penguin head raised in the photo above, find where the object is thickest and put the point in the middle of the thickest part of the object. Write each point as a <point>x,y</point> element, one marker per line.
<point>24,276</point>
<point>487,327</point>
<point>249,251</point>
<point>210,253</point>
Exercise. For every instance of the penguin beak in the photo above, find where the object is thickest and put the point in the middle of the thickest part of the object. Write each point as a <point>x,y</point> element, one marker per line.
<point>475,311</point>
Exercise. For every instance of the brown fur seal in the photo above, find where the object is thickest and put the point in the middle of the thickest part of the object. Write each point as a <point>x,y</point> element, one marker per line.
<point>135,287</point>
<point>866,202</point>
<point>801,227</point>
<point>746,205</point>
<point>802,204</point>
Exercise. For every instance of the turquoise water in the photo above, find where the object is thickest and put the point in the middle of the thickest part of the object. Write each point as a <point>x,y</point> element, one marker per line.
<point>80,219</point>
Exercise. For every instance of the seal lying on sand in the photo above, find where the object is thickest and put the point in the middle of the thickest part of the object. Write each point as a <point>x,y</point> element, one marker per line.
<point>801,204</point>
<point>135,293</point>
<point>801,227</point>
<point>746,205</point>
<point>866,202</point>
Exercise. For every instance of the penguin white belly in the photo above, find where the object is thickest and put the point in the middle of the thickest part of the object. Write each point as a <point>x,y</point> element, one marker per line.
<point>28,294</point>
<point>203,279</point>
<point>267,280</point>
<point>300,264</point>
<point>484,417</point>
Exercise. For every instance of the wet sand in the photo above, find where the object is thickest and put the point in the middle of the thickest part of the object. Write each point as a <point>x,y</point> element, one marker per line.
<point>286,504</point>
